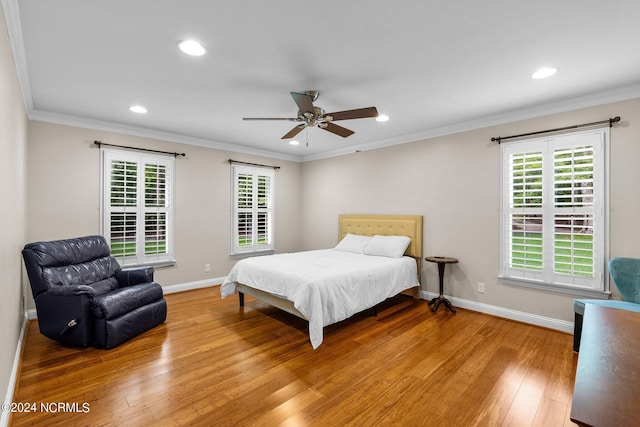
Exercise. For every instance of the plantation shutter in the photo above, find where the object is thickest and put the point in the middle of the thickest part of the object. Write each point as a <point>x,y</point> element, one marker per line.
<point>156,205</point>
<point>526,214</point>
<point>578,203</point>
<point>121,210</point>
<point>137,207</point>
<point>553,210</point>
<point>252,209</point>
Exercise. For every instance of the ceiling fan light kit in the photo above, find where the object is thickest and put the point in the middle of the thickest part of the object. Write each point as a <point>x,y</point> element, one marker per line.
<point>311,116</point>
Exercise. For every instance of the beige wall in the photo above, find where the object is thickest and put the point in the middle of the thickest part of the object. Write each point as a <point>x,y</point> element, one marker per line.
<point>64,197</point>
<point>453,181</point>
<point>13,141</point>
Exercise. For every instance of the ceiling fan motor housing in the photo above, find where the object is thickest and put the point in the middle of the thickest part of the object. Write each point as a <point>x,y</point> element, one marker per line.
<point>314,118</point>
<point>313,94</point>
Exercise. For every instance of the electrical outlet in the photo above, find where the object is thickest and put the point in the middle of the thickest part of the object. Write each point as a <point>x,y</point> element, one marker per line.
<point>207,268</point>
<point>480,288</point>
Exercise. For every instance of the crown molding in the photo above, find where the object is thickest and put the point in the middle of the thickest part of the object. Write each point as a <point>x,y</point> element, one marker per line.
<point>82,122</point>
<point>569,104</point>
<point>11,13</point>
<point>561,106</point>
<point>14,29</point>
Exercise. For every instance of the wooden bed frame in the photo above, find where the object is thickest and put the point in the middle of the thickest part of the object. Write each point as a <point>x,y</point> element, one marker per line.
<point>365,225</point>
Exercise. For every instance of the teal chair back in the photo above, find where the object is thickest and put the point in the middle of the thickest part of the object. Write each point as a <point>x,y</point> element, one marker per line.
<point>625,273</point>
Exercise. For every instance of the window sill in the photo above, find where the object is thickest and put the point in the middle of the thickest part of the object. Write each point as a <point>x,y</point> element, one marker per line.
<point>158,264</point>
<point>565,289</point>
<point>252,254</point>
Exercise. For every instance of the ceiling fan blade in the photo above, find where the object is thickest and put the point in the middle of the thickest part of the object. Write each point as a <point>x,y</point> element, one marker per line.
<point>359,113</point>
<point>293,132</point>
<point>272,118</point>
<point>338,130</point>
<point>304,102</point>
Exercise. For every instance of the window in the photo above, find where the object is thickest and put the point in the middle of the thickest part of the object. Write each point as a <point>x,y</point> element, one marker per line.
<point>137,206</point>
<point>553,212</point>
<point>252,202</point>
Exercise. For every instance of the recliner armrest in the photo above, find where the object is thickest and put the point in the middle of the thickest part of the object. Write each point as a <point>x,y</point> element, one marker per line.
<point>71,290</point>
<point>134,276</point>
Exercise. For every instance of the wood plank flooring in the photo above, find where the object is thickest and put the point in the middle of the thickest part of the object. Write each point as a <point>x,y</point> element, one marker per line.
<point>215,364</point>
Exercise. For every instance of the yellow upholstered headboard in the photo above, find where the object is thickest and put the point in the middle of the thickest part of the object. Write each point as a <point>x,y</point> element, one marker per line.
<point>385,225</point>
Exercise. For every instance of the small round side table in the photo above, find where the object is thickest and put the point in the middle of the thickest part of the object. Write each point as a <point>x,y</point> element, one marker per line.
<point>442,261</point>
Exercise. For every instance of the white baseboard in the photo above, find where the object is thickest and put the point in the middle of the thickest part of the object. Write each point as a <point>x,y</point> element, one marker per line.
<point>181,287</point>
<point>4,415</point>
<point>520,316</point>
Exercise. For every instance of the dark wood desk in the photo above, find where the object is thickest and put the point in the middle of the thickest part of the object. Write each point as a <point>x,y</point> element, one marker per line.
<point>607,388</point>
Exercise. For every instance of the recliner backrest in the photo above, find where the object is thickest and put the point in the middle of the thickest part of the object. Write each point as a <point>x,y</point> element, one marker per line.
<point>625,273</point>
<point>79,261</point>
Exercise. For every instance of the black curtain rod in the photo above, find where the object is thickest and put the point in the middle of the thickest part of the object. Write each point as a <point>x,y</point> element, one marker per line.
<point>610,122</point>
<point>253,164</point>
<point>99,144</point>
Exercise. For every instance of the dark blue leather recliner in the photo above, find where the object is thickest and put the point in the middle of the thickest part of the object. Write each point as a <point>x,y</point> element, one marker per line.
<point>83,298</point>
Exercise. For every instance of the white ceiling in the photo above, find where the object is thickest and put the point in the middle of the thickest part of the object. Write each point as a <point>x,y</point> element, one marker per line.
<point>433,66</point>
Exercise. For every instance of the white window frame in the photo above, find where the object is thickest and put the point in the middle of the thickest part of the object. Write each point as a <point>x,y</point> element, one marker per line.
<point>598,285</point>
<point>139,258</point>
<point>255,247</point>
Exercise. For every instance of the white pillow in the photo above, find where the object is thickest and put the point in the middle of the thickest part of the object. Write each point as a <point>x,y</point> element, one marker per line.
<point>389,246</point>
<point>353,243</point>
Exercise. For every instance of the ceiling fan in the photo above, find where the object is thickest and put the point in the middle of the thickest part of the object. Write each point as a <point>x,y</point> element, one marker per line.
<point>310,115</point>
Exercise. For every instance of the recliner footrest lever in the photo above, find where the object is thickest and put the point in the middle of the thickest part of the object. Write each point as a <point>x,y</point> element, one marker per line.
<point>70,325</point>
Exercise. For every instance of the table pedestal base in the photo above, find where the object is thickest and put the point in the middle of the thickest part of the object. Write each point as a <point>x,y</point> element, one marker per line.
<point>441,300</point>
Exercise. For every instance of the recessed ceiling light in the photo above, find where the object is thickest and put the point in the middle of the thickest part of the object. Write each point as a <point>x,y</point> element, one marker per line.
<point>191,47</point>
<point>382,118</point>
<point>543,73</point>
<point>138,109</point>
<point>294,142</point>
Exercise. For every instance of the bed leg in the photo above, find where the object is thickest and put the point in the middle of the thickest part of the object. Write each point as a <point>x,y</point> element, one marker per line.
<point>241,299</point>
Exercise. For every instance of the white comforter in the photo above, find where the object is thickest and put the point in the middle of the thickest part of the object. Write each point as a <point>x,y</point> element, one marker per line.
<point>326,286</point>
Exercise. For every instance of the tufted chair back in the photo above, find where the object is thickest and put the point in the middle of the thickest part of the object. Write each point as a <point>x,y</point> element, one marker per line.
<point>80,261</point>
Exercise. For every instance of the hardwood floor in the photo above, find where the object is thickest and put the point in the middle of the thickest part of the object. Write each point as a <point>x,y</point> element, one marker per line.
<point>215,364</point>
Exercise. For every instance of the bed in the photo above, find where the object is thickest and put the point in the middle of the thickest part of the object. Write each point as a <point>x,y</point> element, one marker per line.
<point>330,285</point>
